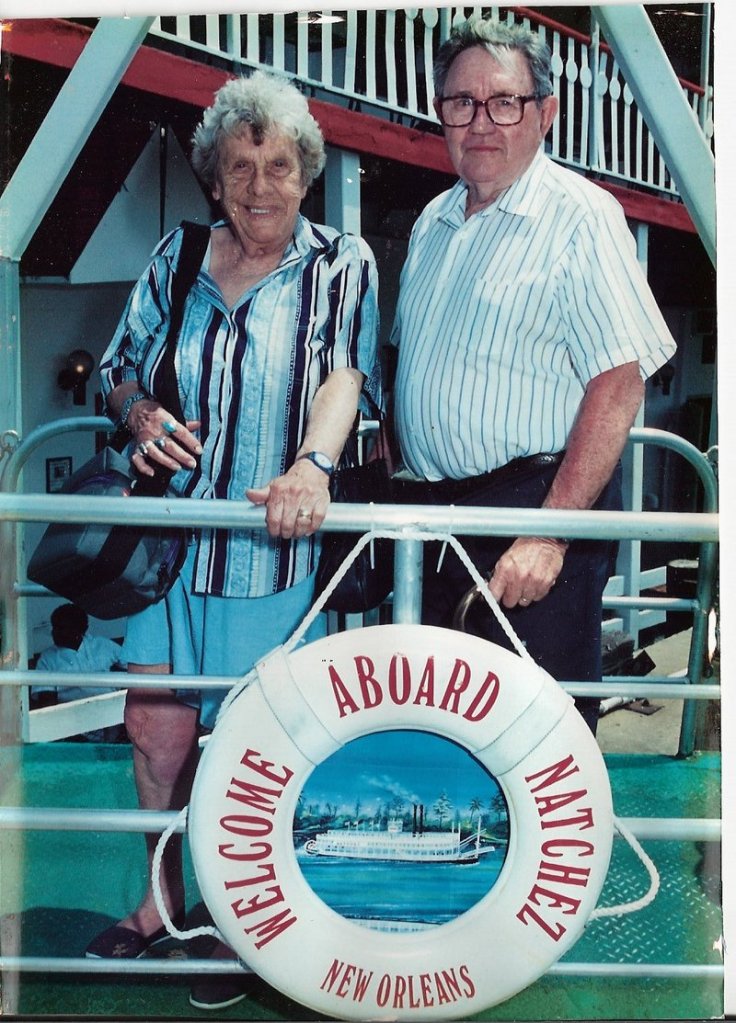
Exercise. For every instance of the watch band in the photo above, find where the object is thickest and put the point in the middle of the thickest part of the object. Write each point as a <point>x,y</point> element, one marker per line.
<point>320,459</point>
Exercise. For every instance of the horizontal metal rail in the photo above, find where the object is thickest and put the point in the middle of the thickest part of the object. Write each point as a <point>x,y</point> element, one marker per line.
<point>33,818</point>
<point>651,686</point>
<point>161,966</point>
<point>345,518</point>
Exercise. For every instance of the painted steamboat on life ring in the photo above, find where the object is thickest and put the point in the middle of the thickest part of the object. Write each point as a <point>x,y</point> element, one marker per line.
<point>396,845</point>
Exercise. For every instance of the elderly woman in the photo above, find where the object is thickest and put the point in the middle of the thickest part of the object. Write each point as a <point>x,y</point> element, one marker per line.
<point>276,354</point>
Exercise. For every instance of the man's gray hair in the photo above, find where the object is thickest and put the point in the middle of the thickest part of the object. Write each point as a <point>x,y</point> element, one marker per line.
<point>265,102</point>
<point>500,40</point>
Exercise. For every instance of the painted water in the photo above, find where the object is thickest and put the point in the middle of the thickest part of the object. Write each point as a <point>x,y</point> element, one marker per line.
<point>413,781</point>
<point>408,892</point>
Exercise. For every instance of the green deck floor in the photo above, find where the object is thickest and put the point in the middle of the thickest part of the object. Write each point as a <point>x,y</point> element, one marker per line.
<point>65,886</point>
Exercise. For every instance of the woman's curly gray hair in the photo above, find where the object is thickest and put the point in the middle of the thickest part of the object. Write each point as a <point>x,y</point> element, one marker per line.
<point>500,40</point>
<point>264,102</point>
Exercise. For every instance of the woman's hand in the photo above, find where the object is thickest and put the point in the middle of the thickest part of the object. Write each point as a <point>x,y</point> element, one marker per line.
<point>296,503</point>
<point>160,439</point>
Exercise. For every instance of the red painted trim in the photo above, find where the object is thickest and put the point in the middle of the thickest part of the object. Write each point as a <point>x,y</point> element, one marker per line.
<point>60,42</point>
<point>365,133</point>
<point>650,208</point>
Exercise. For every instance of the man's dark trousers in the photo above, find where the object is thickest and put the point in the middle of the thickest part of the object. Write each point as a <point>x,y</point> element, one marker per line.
<point>562,632</point>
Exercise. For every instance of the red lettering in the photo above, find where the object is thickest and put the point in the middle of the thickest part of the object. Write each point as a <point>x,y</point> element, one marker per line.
<point>345,703</point>
<point>563,873</point>
<point>425,982</point>
<point>370,690</point>
<point>361,985</point>
<point>239,824</point>
<point>442,995</point>
<point>260,849</point>
<point>263,767</point>
<point>477,711</point>
<point>556,772</point>
<point>344,984</point>
<point>567,843</point>
<point>399,696</point>
<point>243,907</point>
<point>527,910</point>
<point>269,874</point>
<point>425,692</point>
<point>452,983</point>
<point>457,684</point>
<point>332,975</point>
<point>584,819</point>
<point>272,927</point>
<point>254,795</point>
<point>554,900</point>
<point>362,980</point>
<point>469,985</point>
<point>399,991</point>
<point>547,804</point>
<point>384,990</point>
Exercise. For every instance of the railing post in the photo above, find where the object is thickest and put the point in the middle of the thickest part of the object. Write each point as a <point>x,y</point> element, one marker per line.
<point>595,98</point>
<point>342,190</point>
<point>408,564</point>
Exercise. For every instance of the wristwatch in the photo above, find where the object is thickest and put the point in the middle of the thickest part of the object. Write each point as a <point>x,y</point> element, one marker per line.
<point>320,459</point>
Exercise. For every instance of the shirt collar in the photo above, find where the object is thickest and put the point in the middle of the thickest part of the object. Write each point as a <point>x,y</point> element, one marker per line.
<point>523,197</point>
<point>304,239</point>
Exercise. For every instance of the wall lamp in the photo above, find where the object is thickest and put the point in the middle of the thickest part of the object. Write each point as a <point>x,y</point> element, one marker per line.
<point>76,373</point>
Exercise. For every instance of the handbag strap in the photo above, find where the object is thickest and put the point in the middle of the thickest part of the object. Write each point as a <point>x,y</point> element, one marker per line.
<point>195,239</point>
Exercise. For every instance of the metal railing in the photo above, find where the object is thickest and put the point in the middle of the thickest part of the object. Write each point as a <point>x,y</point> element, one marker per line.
<point>381,61</point>
<point>406,599</point>
<point>702,527</point>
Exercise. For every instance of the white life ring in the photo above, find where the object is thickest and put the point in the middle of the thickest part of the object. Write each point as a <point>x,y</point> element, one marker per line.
<point>508,713</point>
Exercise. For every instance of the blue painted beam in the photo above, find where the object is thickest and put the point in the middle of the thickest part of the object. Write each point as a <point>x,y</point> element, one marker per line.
<point>673,123</point>
<point>65,129</point>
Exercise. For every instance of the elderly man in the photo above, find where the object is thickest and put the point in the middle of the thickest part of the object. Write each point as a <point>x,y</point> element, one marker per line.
<point>525,330</point>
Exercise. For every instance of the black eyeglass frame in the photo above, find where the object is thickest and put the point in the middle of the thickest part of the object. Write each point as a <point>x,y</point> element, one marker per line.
<point>478,103</point>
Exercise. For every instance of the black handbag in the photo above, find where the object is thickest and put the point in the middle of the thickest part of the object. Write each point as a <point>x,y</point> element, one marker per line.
<point>109,570</point>
<point>370,578</point>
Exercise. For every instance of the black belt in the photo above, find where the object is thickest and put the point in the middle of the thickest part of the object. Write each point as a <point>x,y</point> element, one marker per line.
<point>449,491</point>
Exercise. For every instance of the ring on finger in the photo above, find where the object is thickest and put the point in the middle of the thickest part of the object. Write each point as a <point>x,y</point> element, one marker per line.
<point>160,443</point>
<point>143,448</point>
<point>169,426</point>
<point>303,514</point>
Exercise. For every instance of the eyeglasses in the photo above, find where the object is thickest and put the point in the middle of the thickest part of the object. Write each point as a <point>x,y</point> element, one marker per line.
<point>459,111</point>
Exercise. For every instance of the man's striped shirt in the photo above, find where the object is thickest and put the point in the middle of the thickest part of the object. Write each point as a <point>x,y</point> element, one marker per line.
<point>250,373</point>
<point>503,320</point>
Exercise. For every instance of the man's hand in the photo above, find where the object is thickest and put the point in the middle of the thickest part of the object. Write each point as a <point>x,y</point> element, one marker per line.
<point>296,503</point>
<point>527,571</point>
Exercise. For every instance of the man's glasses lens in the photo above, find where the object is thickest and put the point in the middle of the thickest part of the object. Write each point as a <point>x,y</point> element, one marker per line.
<point>458,111</point>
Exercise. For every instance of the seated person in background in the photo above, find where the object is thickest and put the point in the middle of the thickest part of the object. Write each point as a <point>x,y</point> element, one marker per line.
<point>74,650</point>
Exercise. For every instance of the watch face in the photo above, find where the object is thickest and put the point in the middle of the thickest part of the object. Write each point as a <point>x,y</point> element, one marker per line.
<point>321,460</point>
